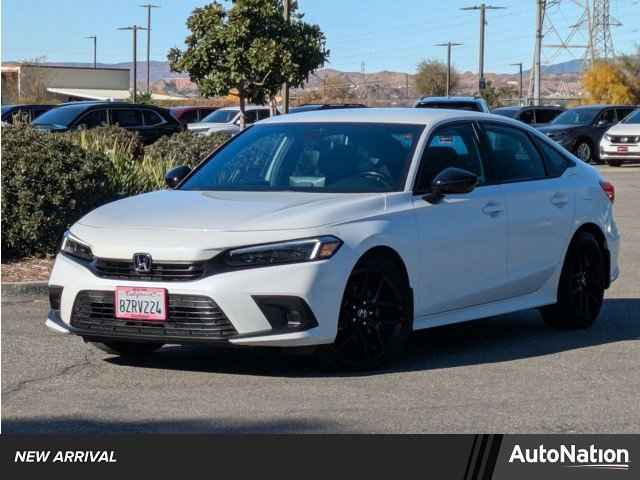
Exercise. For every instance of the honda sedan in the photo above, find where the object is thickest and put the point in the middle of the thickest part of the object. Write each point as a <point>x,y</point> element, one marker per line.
<point>344,231</point>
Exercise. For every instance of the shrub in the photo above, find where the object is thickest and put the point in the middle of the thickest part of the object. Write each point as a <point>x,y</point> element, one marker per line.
<point>110,140</point>
<point>182,148</point>
<point>48,183</point>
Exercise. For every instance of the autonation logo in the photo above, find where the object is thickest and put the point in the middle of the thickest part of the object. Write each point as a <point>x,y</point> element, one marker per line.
<point>574,457</point>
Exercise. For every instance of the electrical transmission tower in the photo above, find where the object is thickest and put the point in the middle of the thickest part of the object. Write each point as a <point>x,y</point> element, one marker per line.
<point>590,32</point>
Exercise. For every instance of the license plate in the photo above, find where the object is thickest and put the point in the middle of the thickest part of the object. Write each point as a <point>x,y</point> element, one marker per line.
<point>139,303</point>
<point>623,149</point>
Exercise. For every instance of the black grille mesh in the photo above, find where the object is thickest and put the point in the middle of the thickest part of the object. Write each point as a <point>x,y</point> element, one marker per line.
<point>166,272</point>
<point>188,316</point>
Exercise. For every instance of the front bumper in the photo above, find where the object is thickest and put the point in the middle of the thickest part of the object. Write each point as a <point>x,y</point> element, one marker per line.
<point>319,284</point>
<point>610,151</point>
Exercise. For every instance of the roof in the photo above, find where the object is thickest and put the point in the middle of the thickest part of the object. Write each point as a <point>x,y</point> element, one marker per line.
<point>246,108</point>
<point>450,99</point>
<point>420,116</point>
<point>184,108</point>
<point>104,94</point>
<point>600,105</point>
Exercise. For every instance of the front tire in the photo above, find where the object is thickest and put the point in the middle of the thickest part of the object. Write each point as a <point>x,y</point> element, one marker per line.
<point>581,286</point>
<point>127,349</point>
<point>376,316</point>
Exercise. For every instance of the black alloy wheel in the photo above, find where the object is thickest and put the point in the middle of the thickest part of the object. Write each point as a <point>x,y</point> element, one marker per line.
<point>584,151</point>
<point>376,315</point>
<point>581,288</point>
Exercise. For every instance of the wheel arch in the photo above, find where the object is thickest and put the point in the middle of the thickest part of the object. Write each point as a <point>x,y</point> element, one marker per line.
<point>387,251</point>
<point>597,232</point>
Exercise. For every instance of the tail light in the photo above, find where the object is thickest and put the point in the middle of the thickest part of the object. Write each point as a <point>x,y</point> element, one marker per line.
<point>609,189</point>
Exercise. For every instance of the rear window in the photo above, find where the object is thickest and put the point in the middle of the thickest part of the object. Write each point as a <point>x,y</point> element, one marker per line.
<point>470,106</point>
<point>506,112</point>
<point>62,116</point>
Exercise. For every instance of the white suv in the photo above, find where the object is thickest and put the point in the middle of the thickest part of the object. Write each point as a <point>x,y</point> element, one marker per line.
<point>227,120</point>
<point>344,230</point>
<point>621,143</point>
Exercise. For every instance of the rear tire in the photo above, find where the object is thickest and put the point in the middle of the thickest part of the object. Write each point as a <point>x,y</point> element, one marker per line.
<point>376,316</point>
<point>127,349</point>
<point>584,151</point>
<point>581,287</point>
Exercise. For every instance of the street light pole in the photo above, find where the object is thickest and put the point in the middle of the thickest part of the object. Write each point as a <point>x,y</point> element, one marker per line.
<point>448,45</point>
<point>519,65</point>
<point>483,22</point>
<point>95,46</point>
<point>149,6</point>
<point>134,29</point>
<point>285,87</point>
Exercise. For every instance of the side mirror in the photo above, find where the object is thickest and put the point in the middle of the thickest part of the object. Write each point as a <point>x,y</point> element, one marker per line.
<point>602,123</point>
<point>451,181</point>
<point>174,176</point>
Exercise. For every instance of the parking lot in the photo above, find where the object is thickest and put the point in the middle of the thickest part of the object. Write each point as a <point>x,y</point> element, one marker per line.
<point>507,374</point>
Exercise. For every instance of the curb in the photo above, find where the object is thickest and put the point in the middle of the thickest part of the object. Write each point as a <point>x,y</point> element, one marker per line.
<point>14,289</point>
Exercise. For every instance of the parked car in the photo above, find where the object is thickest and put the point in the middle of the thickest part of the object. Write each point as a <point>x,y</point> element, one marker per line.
<point>186,115</point>
<point>531,115</point>
<point>580,129</point>
<point>227,120</point>
<point>344,230</point>
<point>309,107</point>
<point>473,104</point>
<point>23,113</point>
<point>149,121</point>
<point>621,143</point>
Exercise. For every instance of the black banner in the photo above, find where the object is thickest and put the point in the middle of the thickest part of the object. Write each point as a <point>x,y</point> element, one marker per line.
<point>464,457</point>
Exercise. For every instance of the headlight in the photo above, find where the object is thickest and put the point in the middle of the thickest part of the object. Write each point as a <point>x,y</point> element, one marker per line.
<point>607,137</point>
<point>75,247</point>
<point>295,251</point>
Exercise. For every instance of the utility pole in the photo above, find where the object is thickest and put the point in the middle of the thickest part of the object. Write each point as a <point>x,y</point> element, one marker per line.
<point>483,22</point>
<point>149,6</point>
<point>134,29</point>
<point>95,45</point>
<point>448,45</point>
<point>285,87</point>
<point>520,67</point>
<point>537,51</point>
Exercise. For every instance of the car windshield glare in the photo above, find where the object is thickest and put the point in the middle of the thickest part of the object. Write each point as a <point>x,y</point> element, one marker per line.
<point>316,157</point>
<point>633,117</point>
<point>580,116</point>
<point>62,116</point>
<point>220,116</point>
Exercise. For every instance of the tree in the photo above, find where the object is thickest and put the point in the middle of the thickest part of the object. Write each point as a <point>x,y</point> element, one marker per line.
<point>605,82</point>
<point>630,68</point>
<point>248,49</point>
<point>431,78</point>
<point>496,96</point>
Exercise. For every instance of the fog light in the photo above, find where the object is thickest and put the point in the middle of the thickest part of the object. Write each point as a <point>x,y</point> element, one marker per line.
<point>285,313</point>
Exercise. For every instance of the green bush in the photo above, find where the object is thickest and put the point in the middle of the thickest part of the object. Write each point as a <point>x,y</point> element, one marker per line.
<point>182,148</point>
<point>48,183</point>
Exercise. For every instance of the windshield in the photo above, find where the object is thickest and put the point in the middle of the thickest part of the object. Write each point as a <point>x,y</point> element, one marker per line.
<point>62,116</point>
<point>579,116</point>
<point>506,112</point>
<point>633,117</point>
<point>316,157</point>
<point>220,116</point>
<point>471,106</point>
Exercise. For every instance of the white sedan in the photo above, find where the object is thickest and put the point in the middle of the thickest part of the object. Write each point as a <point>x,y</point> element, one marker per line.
<point>621,143</point>
<point>344,230</point>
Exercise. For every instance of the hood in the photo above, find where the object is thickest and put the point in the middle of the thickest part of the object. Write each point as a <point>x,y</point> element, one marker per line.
<point>629,129</point>
<point>548,128</point>
<point>177,224</point>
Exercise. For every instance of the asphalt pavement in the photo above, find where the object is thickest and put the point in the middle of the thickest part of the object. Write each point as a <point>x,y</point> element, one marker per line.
<point>504,374</point>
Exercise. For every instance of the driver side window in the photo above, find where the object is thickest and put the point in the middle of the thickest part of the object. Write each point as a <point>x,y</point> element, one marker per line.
<point>450,146</point>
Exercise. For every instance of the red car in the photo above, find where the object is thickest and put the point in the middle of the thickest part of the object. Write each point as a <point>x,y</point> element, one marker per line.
<point>191,114</point>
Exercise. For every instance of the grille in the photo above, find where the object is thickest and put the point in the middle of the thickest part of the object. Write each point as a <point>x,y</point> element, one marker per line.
<point>624,139</point>
<point>166,272</point>
<point>189,316</point>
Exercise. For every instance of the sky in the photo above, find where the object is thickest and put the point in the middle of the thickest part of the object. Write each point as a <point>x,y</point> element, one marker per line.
<point>383,34</point>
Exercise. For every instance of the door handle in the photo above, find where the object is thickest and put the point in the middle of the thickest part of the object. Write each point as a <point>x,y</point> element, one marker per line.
<point>492,209</point>
<point>559,200</point>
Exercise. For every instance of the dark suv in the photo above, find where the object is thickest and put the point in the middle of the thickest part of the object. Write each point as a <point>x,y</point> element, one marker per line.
<point>536,116</point>
<point>580,129</point>
<point>23,113</point>
<point>149,121</point>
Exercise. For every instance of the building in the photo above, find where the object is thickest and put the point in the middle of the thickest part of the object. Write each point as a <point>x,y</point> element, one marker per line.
<point>30,82</point>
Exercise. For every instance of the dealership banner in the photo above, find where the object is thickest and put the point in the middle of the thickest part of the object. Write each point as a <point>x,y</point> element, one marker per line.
<point>464,457</point>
